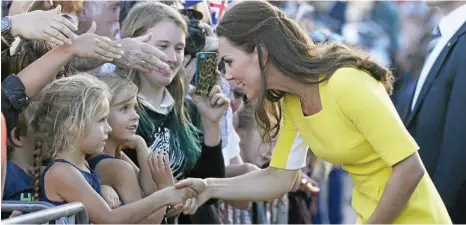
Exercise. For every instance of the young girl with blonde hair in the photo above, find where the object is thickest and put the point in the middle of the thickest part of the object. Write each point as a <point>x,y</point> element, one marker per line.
<point>70,123</point>
<point>36,62</point>
<point>130,182</point>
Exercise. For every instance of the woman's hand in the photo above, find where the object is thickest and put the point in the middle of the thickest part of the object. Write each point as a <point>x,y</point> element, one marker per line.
<point>211,107</point>
<point>142,56</point>
<point>159,165</point>
<point>179,196</point>
<point>90,45</point>
<point>191,205</point>
<point>199,185</point>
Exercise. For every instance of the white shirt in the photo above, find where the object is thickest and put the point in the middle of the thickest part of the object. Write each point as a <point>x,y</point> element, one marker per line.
<point>107,68</point>
<point>165,106</point>
<point>448,26</point>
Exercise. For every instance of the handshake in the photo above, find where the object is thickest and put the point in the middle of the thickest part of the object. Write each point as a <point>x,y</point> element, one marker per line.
<point>186,196</point>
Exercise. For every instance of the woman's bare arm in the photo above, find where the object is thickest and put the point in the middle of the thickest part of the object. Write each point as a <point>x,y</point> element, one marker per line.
<point>261,185</point>
<point>236,168</point>
<point>400,186</point>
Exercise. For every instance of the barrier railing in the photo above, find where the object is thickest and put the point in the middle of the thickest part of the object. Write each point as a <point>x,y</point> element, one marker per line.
<point>270,212</point>
<point>43,212</point>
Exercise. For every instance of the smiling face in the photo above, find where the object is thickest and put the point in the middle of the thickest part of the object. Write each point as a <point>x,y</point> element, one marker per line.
<point>123,117</point>
<point>241,67</point>
<point>169,38</point>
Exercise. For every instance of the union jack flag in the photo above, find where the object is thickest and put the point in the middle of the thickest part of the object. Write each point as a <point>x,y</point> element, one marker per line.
<point>217,8</point>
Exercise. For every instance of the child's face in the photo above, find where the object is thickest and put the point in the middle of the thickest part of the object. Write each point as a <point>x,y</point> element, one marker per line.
<point>92,140</point>
<point>123,118</point>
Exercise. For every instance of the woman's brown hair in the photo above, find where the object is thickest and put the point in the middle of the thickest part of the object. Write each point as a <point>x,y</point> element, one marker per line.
<point>262,27</point>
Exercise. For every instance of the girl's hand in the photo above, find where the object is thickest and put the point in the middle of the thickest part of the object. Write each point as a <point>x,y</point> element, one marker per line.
<point>159,165</point>
<point>188,208</point>
<point>137,143</point>
<point>211,107</point>
<point>90,45</point>
<point>16,213</point>
<point>110,196</point>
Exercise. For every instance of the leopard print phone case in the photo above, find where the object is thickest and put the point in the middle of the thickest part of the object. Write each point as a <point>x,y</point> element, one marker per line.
<point>206,76</point>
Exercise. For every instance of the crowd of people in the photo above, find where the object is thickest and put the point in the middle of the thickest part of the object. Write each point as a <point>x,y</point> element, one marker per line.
<point>99,106</point>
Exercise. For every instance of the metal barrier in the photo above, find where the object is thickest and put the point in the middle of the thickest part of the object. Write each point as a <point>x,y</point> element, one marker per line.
<point>25,206</point>
<point>270,212</point>
<point>43,212</point>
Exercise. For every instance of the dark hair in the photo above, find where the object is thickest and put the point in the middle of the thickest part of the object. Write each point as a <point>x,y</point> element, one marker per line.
<point>258,25</point>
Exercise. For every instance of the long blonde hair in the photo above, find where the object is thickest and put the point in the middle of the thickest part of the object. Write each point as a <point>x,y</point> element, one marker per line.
<point>140,19</point>
<point>65,108</point>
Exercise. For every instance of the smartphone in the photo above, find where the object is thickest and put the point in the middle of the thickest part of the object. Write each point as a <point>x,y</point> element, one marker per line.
<point>205,77</point>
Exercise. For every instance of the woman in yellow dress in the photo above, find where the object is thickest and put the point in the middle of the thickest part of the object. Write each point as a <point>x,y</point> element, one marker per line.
<point>328,97</point>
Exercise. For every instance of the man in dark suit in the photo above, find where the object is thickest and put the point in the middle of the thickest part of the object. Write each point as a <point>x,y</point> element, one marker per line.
<point>436,116</point>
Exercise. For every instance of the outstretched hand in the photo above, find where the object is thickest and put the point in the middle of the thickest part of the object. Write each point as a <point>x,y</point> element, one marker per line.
<point>91,45</point>
<point>44,25</point>
<point>142,56</point>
